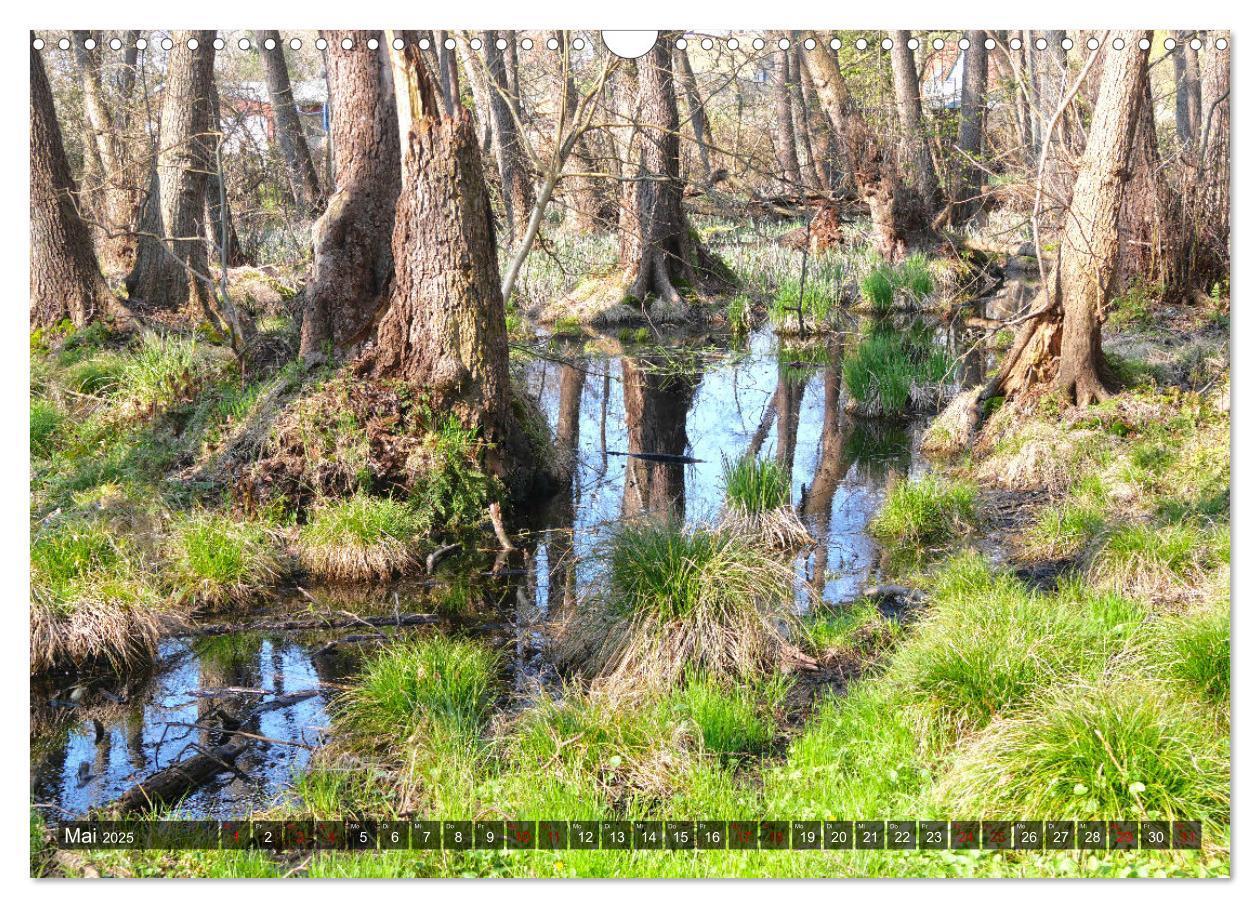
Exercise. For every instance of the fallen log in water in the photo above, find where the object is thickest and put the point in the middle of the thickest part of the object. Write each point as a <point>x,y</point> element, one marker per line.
<point>175,781</point>
<point>311,624</point>
<point>178,779</point>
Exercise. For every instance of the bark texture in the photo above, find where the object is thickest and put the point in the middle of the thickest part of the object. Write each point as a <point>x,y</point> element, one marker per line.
<point>1062,343</point>
<point>918,157</point>
<point>354,266</point>
<point>696,116</point>
<point>118,203</point>
<point>514,176</point>
<point>444,330</point>
<point>784,135</point>
<point>874,170</point>
<point>303,181</point>
<point>659,251</point>
<point>177,277</point>
<point>66,281</point>
<point>971,123</point>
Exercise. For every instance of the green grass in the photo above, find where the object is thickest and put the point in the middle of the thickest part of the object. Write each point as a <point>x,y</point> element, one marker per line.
<point>1063,531</point>
<point>990,644</point>
<point>733,720</point>
<point>434,682</point>
<point>915,276</point>
<point>756,485</point>
<point>46,419</point>
<point>361,537</point>
<point>90,597</point>
<point>877,288</point>
<point>1096,750</point>
<point>1193,648</point>
<point>673,599</point>
<point>216,561</point>
<point>814,305</point>
<point>1150,560</point>
<point>921,513</point>
<point>739,314</point>
<point>893,371</point>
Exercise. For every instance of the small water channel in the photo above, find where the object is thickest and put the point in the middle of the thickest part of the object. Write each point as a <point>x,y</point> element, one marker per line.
<point>693,397</point>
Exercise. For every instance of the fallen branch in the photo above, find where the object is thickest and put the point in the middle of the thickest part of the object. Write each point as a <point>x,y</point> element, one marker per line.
<point>310,624</point>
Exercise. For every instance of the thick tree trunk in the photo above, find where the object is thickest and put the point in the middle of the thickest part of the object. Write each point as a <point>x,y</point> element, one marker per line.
<point>659,251</point>
<point>1189,94</point>
<point>589,211</point>
<point>696,116</point>
<point>874,172</point>
<point>784,135</point>
<point>66,281</point>
<point>171,280</point>
<point>910,113</point>
<point>971,123</point>
<point>116,209</point>
<point>353,268</point>
<point>518,188</point>
<point>303,181</point>
<point>1063,343</point>
<point>444,330</point>
<point>476,75</point>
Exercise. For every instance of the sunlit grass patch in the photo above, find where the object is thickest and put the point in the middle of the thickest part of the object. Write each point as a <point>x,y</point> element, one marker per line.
<point>1193,648</point>
<point>1096,749</point>
<point>46,419</point>
<point>1153,562</point>
<point>926,512</point>
<point>217,561</point>
<point>759,503</point>
<point>857,630</point>
<point>91,598</point>
<point>988,643</point>
<point>430,682</point>
<point>739,314</point>
<point>877,288</point>
<point>675,598</point>
<point>803,309</point>
<point>1065,530</point>
<point>360,538</point>
<point>733,719</point>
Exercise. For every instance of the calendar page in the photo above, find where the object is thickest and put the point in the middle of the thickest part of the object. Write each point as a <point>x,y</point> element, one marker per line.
<point>662,454</point>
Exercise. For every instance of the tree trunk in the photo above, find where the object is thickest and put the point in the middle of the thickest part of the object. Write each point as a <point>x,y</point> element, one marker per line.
<point>518,189</point>
<point>476,76</point>
<point>444,330</point>
<point>811,164</point>
<point>784,135</point>
<point>971,123</point>
<point>910,113</point>
<point>873,171</point>
<point>350,278</point>
<point>659,251</point>
<point>589,210</point>
<point>303,181</point>
<point>218,210</point>
<point>696,116</point>
<point>1189,95</point>
<point>1063,343</point>
<point>117,246</point>
<point>171,280</point>
<point>827,151</point>
<point>66,281</point>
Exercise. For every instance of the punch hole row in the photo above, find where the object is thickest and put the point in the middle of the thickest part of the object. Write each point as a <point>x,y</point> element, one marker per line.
<point>683,43</point>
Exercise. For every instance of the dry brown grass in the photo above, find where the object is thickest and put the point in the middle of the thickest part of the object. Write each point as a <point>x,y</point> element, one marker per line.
<point>95,628</point>
<point>779,530</point>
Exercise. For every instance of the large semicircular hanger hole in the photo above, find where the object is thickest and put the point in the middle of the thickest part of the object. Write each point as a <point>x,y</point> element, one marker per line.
<point>629,45</point>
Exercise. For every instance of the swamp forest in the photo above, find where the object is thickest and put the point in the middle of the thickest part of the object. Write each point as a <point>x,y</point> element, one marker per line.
<point>486,427</point>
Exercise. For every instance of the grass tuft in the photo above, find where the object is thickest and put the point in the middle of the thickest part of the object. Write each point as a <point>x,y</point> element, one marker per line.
<point>216,561</point>
<point>893,371</point>
<point>676,598</point>
<point>360,538</point>
<point>921,513</point>
<point>1096,750</point>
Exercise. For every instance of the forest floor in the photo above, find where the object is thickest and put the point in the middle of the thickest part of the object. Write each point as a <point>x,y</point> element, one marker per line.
<point>1069,657</point>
